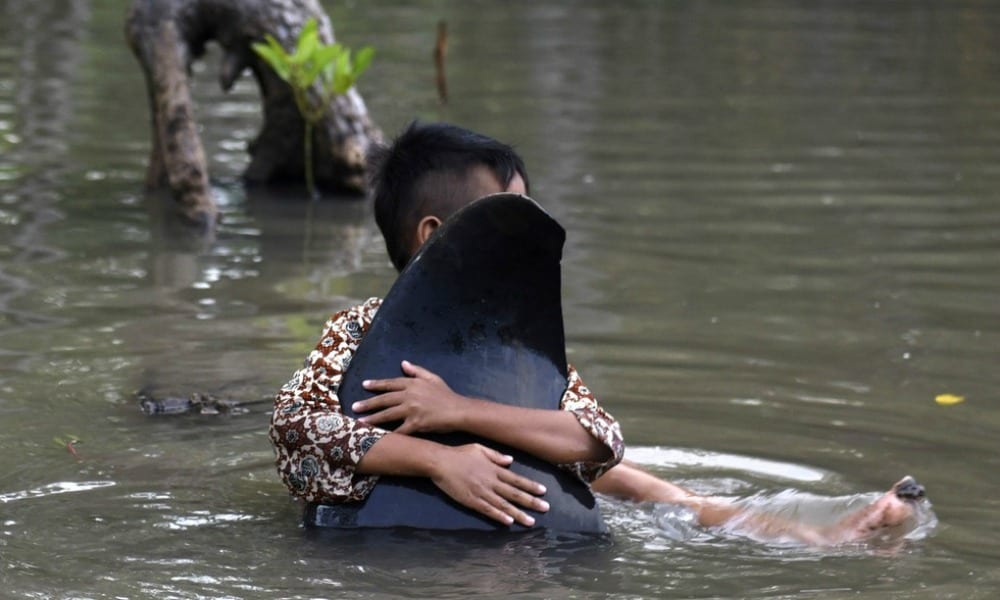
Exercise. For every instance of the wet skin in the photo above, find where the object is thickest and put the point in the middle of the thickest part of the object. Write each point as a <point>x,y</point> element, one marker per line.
<point>890,517</point>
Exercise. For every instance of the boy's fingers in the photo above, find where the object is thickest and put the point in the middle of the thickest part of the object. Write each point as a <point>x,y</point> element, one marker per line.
<point>377,402</point>
<point>524,499</point>
<point>522,483</point>
<point>385,385</point>
<point>498,458</point>
<point>405,428</point>
<point>512,511</point>
<point>499,509</point>
<point>417,371</point>
<point>491,511</point>
<point>387,415</point>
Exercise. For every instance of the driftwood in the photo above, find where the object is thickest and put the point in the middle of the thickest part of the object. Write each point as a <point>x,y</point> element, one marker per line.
<point>168,35</point>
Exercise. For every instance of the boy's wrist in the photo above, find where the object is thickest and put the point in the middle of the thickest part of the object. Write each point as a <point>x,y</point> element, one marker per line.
<point>434,459</point>
<point>459,414</point>
<point>403,455</point>
<point>468,415</point>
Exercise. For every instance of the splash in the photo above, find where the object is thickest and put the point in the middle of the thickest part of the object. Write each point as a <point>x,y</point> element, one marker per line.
<point>793,517</point>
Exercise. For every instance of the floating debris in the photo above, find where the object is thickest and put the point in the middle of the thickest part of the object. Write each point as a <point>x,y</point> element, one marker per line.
<point>948,399</point>
<point>198,403</point>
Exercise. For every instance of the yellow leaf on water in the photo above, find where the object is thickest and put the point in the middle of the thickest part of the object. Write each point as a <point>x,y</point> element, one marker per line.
<point>948,399</point>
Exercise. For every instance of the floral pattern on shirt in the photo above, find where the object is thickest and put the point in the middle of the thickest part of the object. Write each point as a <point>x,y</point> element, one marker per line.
<point>579,400</point>
<point>318,447</point>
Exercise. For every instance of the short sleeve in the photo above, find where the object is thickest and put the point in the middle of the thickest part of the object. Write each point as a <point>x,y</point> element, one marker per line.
<point>317,446</point>
<point>579,400</point>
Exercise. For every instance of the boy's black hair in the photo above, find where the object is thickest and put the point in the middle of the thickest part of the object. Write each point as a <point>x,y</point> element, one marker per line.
<point>426,172</point>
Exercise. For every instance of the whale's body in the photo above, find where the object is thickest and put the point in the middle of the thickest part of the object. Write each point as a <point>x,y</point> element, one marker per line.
<point>479,305</point>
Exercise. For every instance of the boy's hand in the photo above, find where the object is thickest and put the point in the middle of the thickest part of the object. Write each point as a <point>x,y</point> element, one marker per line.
<point>477,477</point>
<point>421,400</point>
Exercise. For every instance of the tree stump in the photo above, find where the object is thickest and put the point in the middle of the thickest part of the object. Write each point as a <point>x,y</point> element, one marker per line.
<point>167,36</point>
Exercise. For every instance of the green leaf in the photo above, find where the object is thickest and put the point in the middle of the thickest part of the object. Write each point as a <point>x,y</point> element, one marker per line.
<point>278,49</point>
<point>327,55</point>
<point>273,59</point>
<point>274,54</point>
<point>307,43</point>
<point>321,58</point>
<point>309,36</point>
<point>363,61</point>
<point>342,79</point>
<point>328,73</point>
<point>310,71</point>
<point>66,439</point>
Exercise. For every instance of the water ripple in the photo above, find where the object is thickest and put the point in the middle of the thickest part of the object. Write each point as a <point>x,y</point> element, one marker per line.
<point>53,489</point>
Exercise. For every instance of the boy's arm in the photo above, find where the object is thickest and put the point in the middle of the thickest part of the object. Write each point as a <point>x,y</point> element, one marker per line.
<point>317,447</point>
<point>581,402</point>
<point>628,481</point>
<point>425,403</point>
<point>325,456</point>
<point>472,475</point>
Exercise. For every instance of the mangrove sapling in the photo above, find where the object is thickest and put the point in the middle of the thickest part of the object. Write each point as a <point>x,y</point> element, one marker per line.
<point>331,64</point>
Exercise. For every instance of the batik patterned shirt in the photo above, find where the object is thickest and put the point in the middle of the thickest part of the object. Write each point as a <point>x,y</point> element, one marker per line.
<point>318,447</point>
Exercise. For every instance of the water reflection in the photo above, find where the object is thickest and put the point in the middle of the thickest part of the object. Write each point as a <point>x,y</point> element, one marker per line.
<point>266,235</point>
<point>459,565</point>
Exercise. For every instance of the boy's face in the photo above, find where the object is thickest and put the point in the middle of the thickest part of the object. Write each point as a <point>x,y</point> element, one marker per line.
<point>479,182</point>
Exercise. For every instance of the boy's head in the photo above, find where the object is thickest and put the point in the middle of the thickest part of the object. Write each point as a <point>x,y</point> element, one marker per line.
<point>429,172</point>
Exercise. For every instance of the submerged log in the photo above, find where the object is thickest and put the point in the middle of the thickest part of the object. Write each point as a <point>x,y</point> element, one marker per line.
<point>167,36</point>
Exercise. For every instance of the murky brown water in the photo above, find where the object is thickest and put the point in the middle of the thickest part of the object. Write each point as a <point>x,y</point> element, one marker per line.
<point>784,242</point>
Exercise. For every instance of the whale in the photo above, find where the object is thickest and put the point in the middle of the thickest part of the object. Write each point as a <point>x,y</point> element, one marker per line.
<point>480,305</point>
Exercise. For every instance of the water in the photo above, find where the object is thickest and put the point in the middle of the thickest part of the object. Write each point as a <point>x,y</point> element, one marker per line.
<point>783,244</point>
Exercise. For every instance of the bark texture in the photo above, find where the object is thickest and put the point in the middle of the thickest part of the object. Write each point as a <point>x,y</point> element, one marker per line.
<point>167,36</point>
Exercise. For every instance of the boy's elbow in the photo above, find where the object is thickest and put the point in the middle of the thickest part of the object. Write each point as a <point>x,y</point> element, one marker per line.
<point>595,451</point>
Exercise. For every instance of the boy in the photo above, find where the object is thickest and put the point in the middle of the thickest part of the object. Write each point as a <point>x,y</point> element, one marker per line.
<point>427,174</point>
